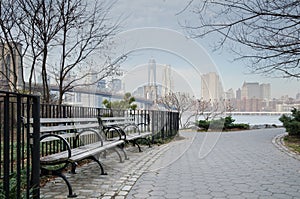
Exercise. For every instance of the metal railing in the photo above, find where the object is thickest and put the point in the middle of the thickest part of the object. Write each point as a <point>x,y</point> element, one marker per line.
<point>19,147</point>
<point>163,124</point>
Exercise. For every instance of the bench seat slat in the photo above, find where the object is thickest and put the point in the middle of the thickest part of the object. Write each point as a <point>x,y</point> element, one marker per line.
<point>85,153</point>
<point>133,136</point>
<point>80,153</point>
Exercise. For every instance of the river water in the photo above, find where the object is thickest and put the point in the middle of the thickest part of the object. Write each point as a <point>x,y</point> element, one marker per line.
<point>257,119</point>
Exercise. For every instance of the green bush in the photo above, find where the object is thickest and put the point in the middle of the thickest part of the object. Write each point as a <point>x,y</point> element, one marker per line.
<point>239,126</point>
<point>226,123</point>
<point>292,123</point>
<point>203,124</point>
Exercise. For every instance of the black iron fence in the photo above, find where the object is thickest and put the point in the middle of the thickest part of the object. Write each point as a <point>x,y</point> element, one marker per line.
<point>20,147</point>
<point>163,124</point>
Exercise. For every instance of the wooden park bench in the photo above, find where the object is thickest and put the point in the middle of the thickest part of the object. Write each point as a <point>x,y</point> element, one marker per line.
<point>127,127</point>
<point>66,141</point>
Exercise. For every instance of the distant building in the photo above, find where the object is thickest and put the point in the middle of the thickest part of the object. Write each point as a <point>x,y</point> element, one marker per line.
<point>230,94</point>
<point>254,97</point>
<point>239,94</point>
<point>11,77</point>
<point>250,90</point>
<point>265,91</point>
<point>116,85</point>
<point>286,107</point>
<point>211,87</point>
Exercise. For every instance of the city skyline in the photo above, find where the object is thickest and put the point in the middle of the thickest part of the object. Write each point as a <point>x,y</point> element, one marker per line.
<point>164,14</point>
<point>181,85</point>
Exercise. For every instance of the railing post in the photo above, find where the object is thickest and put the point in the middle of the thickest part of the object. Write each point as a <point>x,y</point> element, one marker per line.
<point>6,146</point>
<point>152,125</point>
<point>19,113</point>
<point>35,147</point>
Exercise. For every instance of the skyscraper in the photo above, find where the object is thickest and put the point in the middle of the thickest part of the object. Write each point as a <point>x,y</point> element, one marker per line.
<point>265,91</point>
<point>250,90</point>
<point>211,87</point>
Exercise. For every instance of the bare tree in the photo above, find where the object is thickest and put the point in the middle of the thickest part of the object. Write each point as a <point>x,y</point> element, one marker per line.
<point>11,73</point>
<point>212,109</point>
<point>207,109</point>
<point>86,30</point>
<point>193,109</point>
<point>176,101</point>
<point>40,26</point>
<point>59,39</point>
<point>267,31</point>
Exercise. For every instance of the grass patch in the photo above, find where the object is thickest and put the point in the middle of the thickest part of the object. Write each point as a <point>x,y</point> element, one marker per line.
<point>293,142</point>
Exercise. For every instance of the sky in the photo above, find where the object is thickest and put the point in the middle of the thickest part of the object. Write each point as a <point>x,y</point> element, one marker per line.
<point>152,29</point>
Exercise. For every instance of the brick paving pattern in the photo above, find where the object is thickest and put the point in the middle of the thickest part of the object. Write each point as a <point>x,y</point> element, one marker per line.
<point>241,165</point>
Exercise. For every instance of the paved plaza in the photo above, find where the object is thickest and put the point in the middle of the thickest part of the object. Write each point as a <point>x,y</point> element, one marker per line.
<point>203,165</point>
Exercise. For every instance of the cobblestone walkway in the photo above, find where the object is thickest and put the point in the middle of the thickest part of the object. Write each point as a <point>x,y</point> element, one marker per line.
<point>89,184</point>
<point>241,165</point>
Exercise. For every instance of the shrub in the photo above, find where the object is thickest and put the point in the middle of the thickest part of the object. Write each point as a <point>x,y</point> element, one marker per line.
<point>226,123</point>
<point>239,126</point>
<point>292,123</point>
<point>203,124</point>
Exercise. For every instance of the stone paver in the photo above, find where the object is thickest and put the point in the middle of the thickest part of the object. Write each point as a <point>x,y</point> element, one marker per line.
<point>241,165</point>
<point>88,183</point>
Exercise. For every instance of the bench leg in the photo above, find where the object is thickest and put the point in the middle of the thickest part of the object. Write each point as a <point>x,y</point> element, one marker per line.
<point>120,157</point>
<point>149,142</point>
<point>123,150</point>
<point>59,173</point>
<point>134,142</point>
<point>140,150</point>
<point>99,163</point>
<point>74,165</point>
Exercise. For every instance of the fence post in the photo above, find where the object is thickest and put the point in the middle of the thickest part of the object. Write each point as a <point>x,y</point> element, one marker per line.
<point>19,113</point>
<point>35,147</point>
<point>152,125</point>
<point>6,146</point>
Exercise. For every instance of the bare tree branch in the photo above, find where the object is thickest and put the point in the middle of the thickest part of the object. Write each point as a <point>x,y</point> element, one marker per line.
<point>268,32</point>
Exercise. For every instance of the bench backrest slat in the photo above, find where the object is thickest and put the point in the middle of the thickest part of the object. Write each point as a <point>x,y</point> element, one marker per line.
<point>47,129</point>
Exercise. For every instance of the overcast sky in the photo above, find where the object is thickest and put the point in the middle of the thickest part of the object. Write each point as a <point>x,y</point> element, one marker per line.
<point>152,30</point>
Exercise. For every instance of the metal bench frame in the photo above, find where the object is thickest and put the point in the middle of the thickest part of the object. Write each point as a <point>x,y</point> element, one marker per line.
<point>80,126</point>
<point>123,126</point>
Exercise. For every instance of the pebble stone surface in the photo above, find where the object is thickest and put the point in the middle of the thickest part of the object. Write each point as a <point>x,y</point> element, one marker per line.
<point>246,164</point>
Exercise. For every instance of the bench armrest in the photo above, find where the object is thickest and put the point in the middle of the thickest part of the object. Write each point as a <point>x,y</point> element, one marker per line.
<point>60,138</point>
<point>135,126</point>
<point>89,131</point>
<point>121,133</point>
